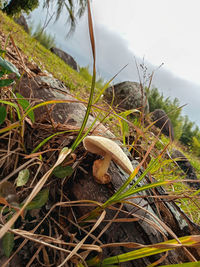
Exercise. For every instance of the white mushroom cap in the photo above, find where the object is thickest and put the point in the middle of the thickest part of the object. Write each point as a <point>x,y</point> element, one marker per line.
<point>101,146</point>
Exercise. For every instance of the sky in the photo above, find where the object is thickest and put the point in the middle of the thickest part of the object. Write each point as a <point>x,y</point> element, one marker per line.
<point>149,32</point>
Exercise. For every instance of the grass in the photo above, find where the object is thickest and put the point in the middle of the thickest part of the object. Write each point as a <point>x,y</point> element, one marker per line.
<point>166,169</point>
<point>43,57</point>
<point>85,73</point>
<point>43,37</point>
<point>48,174</point>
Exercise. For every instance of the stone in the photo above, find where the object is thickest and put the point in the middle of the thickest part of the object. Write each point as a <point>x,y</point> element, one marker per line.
<point>187,168</point>
<point>65,57</point>
<point>162,121</point>
<point>127,95</point>
<point>22,22</point>
<point>70,114</point>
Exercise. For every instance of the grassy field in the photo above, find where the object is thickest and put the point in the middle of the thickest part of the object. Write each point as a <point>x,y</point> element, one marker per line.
<point>43,57</point>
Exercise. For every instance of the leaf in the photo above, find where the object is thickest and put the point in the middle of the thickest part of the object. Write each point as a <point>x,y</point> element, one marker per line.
<point>8,67</point>
<point>39,200</point>
<point>3,114</point>
<point>8,243</point>
<point>24,103</point>
<point>6,82</point>
<point>23,177</point>
<point>62,172</point>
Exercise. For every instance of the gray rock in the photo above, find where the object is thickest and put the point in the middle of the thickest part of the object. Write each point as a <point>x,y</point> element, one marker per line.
<point>127,95</point>
<point>71,112</point>
<point>22,22</point>
<point>65,57</point>
<point>187,168</point>
<point>163,122</point>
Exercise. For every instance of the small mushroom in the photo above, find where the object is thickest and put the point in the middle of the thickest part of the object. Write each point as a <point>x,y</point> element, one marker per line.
<point>110,151</point>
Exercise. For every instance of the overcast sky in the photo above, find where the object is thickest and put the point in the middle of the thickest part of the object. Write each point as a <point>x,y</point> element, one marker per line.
<point>160,31</point>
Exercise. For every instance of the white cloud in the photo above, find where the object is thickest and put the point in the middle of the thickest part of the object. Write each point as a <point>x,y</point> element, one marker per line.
<point>162,31</point>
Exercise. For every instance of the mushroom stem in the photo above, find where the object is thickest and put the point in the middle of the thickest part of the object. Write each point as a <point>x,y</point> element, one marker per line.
<point>105,163</point>
<point>110,150</point>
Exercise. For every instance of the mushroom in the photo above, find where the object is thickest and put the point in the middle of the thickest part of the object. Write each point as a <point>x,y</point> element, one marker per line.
<point>110,151</point>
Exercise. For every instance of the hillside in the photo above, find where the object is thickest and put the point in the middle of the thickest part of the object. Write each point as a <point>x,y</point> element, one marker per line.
<point>53,211</point>
<point>46,60</point>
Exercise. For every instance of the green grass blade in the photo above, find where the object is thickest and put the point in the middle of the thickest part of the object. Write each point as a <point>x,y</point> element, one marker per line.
<point>188,264</point>
<point>145,172</point>
<point>150,250</point>
<point>45,103</point>
<point>119,195</point>
<point>92,41</point>
<point>88,130</point>
<point>3,114</point>
<point>107,84</point>
<point>115,196</point>
<point>133,255</point>
<point>78,139</point>
<point>26,106</point>
<point>12,105</point>
<point>10,127</point>
<point>47,139</point>
<point>103,90</point>
<point>133,191</point>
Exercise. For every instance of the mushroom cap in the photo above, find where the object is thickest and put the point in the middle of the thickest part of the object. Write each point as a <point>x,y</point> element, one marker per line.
<point>101,146</point>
